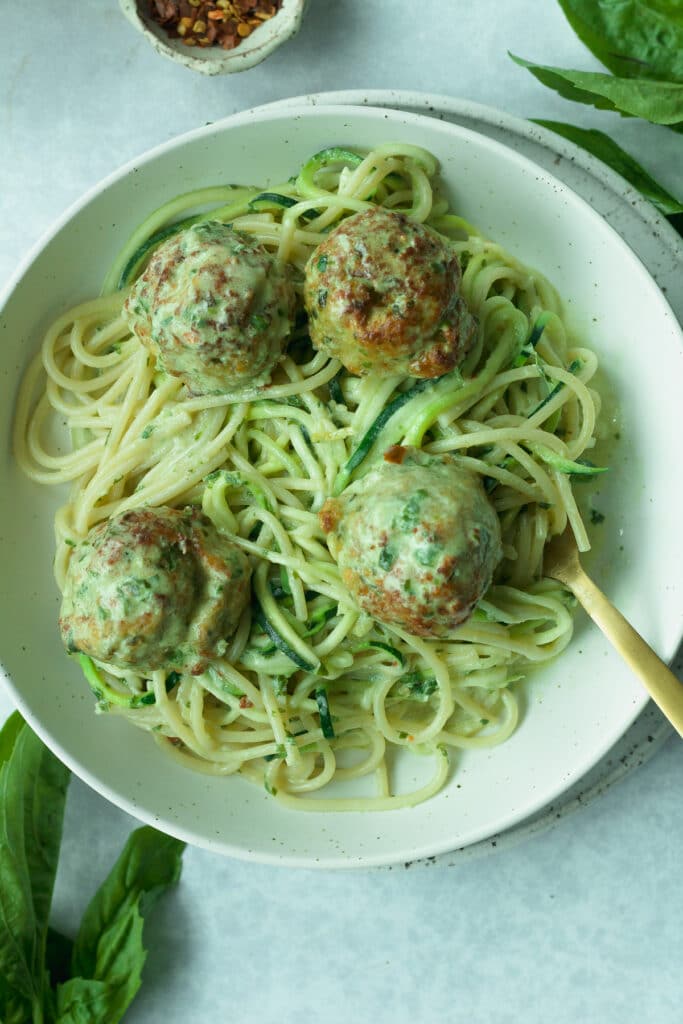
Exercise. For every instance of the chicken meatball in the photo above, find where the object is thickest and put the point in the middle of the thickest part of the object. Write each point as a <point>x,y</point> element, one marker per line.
<point>382,296</point>
<point>214,307</point>
<point>154,588</point>
<point>417,541</point>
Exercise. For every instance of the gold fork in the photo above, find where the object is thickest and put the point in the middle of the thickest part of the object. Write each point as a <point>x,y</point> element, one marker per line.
<point>561,562</point>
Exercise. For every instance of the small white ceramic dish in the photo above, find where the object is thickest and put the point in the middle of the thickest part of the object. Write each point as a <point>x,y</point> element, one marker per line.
<point>213,60</point>
<point>577,707</point>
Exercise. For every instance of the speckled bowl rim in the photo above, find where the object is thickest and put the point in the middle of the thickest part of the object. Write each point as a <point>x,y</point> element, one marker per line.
<point>460,111</point>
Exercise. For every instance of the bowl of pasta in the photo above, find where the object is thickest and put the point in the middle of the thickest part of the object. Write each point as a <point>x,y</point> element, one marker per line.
<point>293,405</point>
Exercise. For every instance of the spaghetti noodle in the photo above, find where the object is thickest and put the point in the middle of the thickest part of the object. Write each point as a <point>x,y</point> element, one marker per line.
<point>311,689</point>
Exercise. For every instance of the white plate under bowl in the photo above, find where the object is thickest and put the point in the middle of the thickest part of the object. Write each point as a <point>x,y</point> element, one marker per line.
<point>577,707</point>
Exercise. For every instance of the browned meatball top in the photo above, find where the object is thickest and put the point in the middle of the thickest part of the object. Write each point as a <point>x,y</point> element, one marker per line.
<point>382,295</point>
<point>214,307</point>
<point>154,588</point>
<point>417,541</point>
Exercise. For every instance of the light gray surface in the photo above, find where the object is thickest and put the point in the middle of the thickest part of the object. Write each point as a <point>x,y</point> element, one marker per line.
<point>582,923</point>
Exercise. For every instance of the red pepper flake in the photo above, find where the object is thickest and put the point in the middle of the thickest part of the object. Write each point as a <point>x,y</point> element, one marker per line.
<point>246,703</point>
<point>202,23</point>
<point>396,454</point>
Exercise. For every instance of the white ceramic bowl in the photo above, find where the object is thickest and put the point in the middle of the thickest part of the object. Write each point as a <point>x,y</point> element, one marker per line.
<point>577,707</point>
<point>213,60</point>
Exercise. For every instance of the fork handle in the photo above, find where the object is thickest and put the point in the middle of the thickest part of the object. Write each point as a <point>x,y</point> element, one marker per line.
<point>660,682</point>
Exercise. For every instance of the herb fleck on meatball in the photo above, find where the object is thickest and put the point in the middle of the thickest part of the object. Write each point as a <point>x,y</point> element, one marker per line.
<point>417,541</point>
<point>383,296</point>
<point>215,308</point>
<point>154,588</point>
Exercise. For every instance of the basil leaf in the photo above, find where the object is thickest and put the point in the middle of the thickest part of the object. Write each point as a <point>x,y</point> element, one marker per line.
<point>8,735</point>
<point>108,949</point>
<point>13,1009</point>
<point>82,1001</point>
<point>659,102</point>
<point>33,785</point>
<point>605,149</point>
<point>633,38</point>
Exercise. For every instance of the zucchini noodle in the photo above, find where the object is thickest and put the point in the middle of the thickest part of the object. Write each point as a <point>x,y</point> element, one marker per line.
<point>312,690</point>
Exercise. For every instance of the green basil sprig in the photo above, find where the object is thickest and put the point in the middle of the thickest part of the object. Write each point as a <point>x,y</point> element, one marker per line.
<point>659,102</point>
<point>45,977</point>
<point>607,150</point>
<point>641,42</point>
<point>633,38</point>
